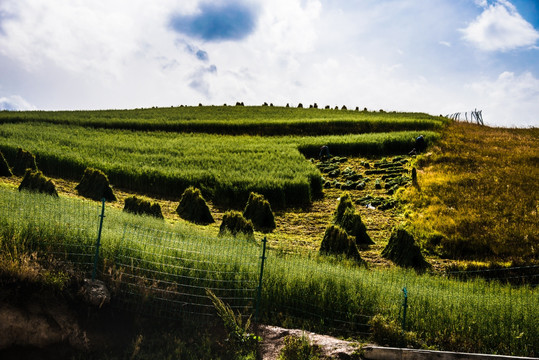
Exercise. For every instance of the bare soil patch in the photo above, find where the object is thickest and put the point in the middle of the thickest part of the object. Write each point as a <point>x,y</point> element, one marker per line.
<point>331,347</point>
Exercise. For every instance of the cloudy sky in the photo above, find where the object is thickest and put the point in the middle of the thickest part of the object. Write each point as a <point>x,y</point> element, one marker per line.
<point>434,56</point>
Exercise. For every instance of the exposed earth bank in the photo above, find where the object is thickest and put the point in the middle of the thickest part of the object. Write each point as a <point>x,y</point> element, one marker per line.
<point>42,323</point>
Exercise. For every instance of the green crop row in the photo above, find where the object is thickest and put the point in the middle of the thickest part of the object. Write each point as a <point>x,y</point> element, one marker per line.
<point>226,168</point>
<point>472,316</point>
<point>233,120</point>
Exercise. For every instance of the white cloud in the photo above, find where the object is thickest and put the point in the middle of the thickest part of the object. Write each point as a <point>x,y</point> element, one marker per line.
<point>107,54</point>
<point>15,102</point>
<point>391,55</point>
<point>128,47</point>
<point>70,35</point>
<point>500,28</point>
<point>481,3</point>
<point>509,100</point>
<point>289,26</point>
<point>96,37</point>
<point>269,64</point>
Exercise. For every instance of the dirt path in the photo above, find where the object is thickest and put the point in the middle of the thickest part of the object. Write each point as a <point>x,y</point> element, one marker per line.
<point>273,342</point>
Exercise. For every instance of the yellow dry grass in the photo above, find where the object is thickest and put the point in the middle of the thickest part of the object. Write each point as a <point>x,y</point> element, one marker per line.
<point>478,194</point>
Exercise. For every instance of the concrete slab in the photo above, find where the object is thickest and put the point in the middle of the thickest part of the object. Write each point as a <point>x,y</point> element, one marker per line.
<point>387,353</point>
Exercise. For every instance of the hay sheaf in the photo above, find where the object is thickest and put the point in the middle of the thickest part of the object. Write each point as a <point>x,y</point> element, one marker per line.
<point>403,251</point>
<point>4,167</point>
<point>35,181</point>
<point>139,206</point>
<point>95,185</point>
<point>337,242</point>
<point>235,223</point>
<point>258,210</point>
<point>24,160</point>
<point>193,207</point>
<point>348,219</point>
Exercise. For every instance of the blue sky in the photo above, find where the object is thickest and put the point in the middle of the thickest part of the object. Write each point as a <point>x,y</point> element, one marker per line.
<point>435,56</point>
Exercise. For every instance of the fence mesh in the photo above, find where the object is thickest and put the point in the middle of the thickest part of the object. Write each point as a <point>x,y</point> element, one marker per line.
<point>66,230</point>
<point>166,274</point>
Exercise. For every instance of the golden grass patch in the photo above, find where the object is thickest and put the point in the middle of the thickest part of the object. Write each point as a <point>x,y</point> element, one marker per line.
<point>477,194</point>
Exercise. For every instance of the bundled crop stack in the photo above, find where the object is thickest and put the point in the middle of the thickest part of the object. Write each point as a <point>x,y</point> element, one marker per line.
<point>138,206</point>
<point>193,207</point>
<point>4,167</point>
<point>234,223</point>
<point>24,160</point>
<point>348,219</point>
<point>403,251</point>
<point>35,181</point>
<point>347,231</point>
<point>337,242</point>
<point>95,185</point>
<point>258,210</point>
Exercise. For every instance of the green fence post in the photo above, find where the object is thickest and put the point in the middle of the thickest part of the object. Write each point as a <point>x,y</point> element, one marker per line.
<point>98,243</point>
<point>405,305</point>
<point>259,290</point>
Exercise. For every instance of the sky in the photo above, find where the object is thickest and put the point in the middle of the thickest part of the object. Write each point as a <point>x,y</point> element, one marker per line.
<point>433,56</point>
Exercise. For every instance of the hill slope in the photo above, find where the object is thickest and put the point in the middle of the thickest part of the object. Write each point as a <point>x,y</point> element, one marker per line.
<point>478,194</point>
<point>164,151</point>
<point>235,120</point>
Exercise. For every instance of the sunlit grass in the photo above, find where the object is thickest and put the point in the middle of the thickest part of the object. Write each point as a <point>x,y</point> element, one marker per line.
<point>234,120</point>
<point>478,194</point>
<point>315,292</point>
<point>226,168</point>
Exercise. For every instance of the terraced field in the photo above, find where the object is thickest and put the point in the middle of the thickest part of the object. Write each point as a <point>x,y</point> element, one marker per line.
<point>230,151</point>
<point>226,167</point>
<point>235,120</point>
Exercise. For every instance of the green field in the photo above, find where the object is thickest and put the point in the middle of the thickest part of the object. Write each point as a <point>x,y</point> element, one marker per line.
<point>226,167</point>
<point>467,204</point>
<point>473,315</point>
<point>234,120</point>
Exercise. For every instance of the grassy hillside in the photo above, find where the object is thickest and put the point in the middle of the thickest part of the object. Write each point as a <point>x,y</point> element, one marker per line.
<point>234,120</point>
<point>446,313</point>
<point>475,203</point>
<point>226,167</point>
<point>476,198</point>
<point>478,194</point>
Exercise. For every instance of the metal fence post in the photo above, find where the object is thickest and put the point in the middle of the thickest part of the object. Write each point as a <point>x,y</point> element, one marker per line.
<point>405,305</point>
<point>98,243</point>
<point>259,290</point>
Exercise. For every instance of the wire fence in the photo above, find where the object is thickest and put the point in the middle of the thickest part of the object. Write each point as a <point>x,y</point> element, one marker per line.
<point>165,273</point>
<point>69,228</point>
<point>475,116</point>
